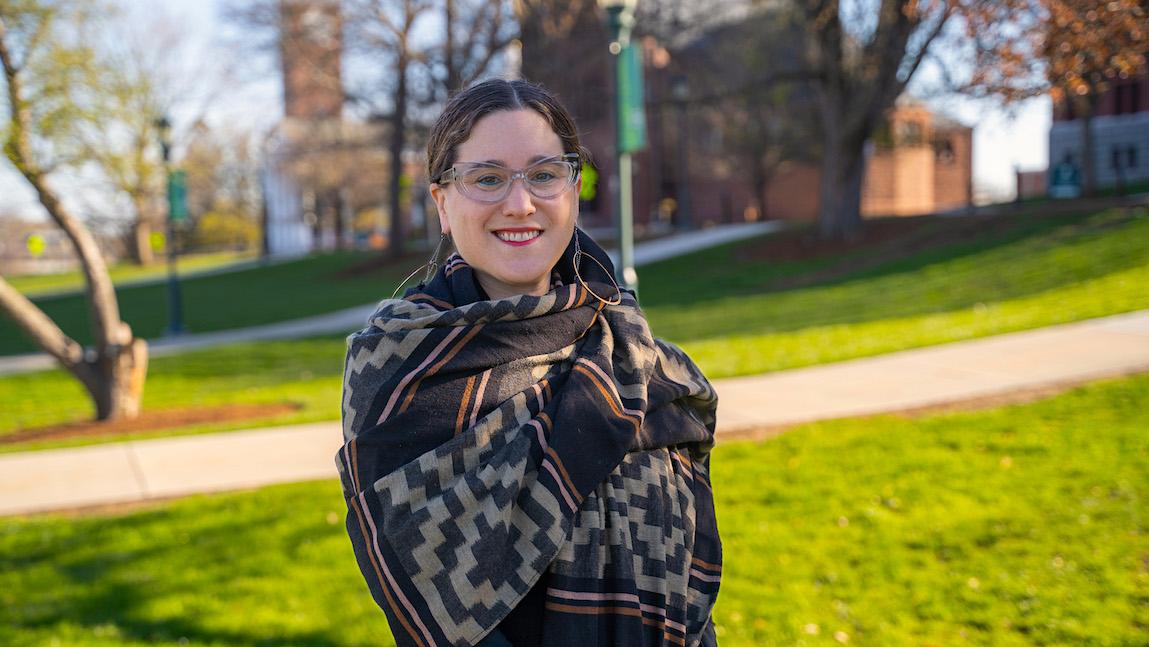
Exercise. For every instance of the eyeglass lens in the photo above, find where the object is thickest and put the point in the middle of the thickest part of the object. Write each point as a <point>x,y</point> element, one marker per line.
<point>490,183</point>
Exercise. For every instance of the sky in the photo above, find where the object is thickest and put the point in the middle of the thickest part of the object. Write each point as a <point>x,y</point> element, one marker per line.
<point>1002,142</point>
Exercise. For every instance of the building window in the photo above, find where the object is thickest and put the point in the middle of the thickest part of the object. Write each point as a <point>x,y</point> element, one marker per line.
<point>909,133</point>
<point>1127,97</point>
<point>945,152</point>
<point>1130,155</point>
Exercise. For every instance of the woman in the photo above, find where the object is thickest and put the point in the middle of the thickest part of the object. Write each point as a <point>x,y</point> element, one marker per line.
<point>524,464</point>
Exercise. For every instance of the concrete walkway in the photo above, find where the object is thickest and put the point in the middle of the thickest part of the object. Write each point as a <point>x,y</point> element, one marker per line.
<point>354,318</point>
<point>143,470</point>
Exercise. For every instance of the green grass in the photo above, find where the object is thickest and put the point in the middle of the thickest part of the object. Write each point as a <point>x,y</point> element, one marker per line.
<point>1038,272</point>
<point>1023,525</point>
<point>732,312</point>
<point>250,297</point>
<point>36,284</point>
<point>1018,526</point>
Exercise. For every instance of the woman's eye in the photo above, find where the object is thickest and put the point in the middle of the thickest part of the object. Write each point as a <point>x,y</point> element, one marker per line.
<point>543,176</point>
<point>488,180</point>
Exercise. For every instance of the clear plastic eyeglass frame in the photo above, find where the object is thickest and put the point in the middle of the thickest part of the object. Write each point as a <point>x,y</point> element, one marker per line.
<point>491,183</point>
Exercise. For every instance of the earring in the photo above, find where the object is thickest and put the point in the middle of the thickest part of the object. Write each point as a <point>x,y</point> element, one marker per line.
<point>577,258</point>
<point>433,264</point>
<point>429,268</point>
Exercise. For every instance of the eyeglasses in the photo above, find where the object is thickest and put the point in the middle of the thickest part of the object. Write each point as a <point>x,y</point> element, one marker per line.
<point>490,183</point>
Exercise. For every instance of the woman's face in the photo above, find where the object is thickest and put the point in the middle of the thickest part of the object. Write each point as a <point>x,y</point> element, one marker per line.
<point>512,244</point>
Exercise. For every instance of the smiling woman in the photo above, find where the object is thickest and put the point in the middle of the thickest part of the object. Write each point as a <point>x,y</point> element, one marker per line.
<point>511,233</point>
<point>523,463</point>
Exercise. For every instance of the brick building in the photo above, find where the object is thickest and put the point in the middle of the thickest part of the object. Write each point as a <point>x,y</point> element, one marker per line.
<point>920,163</point>
<point>1120,131</point>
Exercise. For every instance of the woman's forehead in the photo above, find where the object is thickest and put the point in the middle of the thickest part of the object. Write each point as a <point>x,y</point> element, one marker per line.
<point>510,137</point>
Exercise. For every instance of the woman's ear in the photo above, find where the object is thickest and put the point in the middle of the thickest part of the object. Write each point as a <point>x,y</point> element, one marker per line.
<point>438,194</point>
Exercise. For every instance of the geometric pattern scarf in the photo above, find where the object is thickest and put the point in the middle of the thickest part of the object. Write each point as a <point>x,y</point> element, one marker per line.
<point>536,465</point>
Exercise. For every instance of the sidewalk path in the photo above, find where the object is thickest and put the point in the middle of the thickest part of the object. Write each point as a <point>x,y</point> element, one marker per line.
<point>143,470</point>
<point>350,319</point>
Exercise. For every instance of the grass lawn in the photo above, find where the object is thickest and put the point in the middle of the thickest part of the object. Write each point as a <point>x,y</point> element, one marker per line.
<point>737,310</point>
<point>239,299</point>
<point>35,284</point>
<point>1024,525</point>
<point>1022,273</point>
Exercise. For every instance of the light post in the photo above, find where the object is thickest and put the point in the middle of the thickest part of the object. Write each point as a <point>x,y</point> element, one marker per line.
<point>630,129</point>
<point>680,90</point>
<point>175,302</point>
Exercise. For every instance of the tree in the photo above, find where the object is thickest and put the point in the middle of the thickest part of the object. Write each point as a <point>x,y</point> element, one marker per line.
<point>747,86</point>
<point>386,29</point>
<point>1088,46</point>
<point>47,68</point>
<point>475,32</point>
<point>1073,50</point>
<point>140,84</point>
<point>223,194</point>
<point>860,55</point>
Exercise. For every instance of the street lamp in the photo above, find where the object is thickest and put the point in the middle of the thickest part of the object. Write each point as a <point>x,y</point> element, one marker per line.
<point>629,129</point>
<point>175,305</point>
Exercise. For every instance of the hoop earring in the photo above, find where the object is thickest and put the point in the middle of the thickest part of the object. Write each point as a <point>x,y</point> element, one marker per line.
<point>429,268</point>
<point>578,254</point>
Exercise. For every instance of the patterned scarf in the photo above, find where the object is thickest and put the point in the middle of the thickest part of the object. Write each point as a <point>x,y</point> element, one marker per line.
<point>536,464</point>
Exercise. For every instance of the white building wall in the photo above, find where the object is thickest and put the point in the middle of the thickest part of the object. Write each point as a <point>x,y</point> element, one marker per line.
<point>1127,135</point>
<point>288,233</point>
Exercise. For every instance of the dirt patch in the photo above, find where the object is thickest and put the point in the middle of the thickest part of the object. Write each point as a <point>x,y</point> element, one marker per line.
<point>151,420</point>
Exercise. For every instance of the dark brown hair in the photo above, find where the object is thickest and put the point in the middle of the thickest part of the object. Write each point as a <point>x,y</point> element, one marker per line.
<point>453,127</point>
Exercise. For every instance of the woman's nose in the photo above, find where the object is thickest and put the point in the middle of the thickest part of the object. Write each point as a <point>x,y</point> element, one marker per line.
<point>519,200</point>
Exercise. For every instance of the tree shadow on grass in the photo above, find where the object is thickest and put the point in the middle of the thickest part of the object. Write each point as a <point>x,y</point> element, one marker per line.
<point>200,571</point>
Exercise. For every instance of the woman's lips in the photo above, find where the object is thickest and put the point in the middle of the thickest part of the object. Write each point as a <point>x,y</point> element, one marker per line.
<point>518,237</point>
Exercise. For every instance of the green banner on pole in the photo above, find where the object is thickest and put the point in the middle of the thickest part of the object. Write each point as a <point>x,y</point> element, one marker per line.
<point>178,196</point>
<point>631,111</point>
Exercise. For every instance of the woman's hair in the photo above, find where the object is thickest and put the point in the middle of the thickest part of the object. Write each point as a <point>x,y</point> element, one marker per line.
<point>453,127</point>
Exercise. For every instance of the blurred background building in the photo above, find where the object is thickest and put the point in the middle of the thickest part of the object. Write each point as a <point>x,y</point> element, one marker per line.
<point>1120,129</point>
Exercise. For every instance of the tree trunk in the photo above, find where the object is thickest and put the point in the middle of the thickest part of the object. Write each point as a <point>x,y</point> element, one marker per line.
<point>840,184</point>
<point>1088,146</point>
<point>334,203</point>
<point>114,378</point>
<point>398,141</point>
<point>120,387</point>
<point>760,181</point>
<point>454,77</point>
<point>141,242</point>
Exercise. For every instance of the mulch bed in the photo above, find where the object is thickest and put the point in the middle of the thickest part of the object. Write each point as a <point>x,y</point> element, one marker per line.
<point>151,420</point>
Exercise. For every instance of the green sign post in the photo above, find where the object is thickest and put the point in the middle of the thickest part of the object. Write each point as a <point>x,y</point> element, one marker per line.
<point>177,212</point>
<point>631,113</point>
<point>630,129</point>
<point>178,195</point>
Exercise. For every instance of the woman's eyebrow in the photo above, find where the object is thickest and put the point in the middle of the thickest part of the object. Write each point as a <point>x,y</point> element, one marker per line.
<point>534,160</point>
